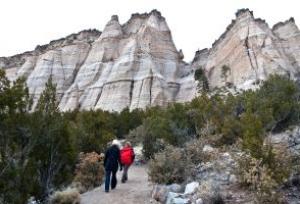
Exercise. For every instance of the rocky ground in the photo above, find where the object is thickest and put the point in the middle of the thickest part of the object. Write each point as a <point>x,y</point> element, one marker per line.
<point>214,179</point>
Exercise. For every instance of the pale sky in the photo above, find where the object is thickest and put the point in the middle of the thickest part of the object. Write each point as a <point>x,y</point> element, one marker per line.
<point>195,24</point>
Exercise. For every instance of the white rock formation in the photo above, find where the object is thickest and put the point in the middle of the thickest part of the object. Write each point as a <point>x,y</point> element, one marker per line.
<point>137,64</point>
<point>132,65</point>
<point>249,51</point>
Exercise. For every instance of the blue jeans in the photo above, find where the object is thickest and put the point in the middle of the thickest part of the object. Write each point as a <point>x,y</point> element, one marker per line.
<point>113,181</point>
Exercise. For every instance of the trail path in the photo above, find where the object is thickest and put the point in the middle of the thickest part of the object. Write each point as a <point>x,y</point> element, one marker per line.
<point>135,191</point>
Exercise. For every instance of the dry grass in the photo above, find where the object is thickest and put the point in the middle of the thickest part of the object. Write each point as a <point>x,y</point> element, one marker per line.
<point>89,171</point>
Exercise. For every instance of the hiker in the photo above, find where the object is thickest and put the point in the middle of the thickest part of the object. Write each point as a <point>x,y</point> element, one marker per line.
<point>127,158</point>
<point>111,164</point>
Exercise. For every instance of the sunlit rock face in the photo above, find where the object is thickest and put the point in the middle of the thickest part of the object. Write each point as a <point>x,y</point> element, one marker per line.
<point>249,51</point>
<point>132,65</point>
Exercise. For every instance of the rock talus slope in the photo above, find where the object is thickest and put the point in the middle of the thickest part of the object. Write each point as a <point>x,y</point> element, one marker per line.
<point>132,65</point>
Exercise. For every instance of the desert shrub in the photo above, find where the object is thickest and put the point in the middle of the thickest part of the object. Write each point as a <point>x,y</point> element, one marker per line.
<point>89,171</point>
<point>280,97</point>
<point>209,192</point>
<point>68,196</point>
<point>194,152</point>
<point>153,134</point>
<point>203,81</point>
<point>265,175</point>
<point>225,70</point>
<point>134,135</point>
<point>168,166</point>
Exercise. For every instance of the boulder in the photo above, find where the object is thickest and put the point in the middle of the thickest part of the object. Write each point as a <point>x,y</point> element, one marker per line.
<point>191,187</point>
<point>175,198</point>
<point>199,201</point>
<point>175,188</point>
<point>160,193</point>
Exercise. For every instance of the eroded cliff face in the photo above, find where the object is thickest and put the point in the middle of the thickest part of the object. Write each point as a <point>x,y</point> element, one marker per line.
<point>249,51</point>
<point>132,65</point>
<point>137,65</point>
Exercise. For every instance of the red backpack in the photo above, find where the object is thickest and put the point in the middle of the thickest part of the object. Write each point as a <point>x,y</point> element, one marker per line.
<point>126,156</point>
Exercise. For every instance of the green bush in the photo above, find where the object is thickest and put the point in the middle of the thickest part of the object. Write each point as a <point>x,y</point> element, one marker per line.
<point>203,81</point>
<point>225,70</point>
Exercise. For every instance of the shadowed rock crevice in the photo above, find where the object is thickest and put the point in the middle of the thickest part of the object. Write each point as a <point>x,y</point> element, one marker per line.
<point>150,85</point>
<point>131,92</point>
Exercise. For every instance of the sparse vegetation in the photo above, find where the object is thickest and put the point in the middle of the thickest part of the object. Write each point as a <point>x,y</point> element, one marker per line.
<point>265,175</point>
<point>202,79</point>
<point>245,120</point>
<point>68,196</point>
<point>38,150</point>
<point>89,171</point>
<point>168,166</point>
<point>224,73</point>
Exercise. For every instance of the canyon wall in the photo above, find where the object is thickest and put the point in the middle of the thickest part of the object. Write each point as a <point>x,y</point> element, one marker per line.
<point>131,65</point>
<point>136,64</point>
<point>249,51</point>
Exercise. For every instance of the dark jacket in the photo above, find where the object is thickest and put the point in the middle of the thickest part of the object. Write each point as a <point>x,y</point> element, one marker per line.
<point>112,158</point>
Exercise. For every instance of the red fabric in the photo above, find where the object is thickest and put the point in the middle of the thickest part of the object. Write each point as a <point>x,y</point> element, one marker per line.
<point>126,156</point>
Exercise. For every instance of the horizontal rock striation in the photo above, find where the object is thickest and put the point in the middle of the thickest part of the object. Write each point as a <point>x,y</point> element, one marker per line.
<point>136,64</point>
<point>249,51</point>
<point>131,65</point>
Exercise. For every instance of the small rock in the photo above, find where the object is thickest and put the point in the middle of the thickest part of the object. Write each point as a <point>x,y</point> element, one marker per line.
<point>232,179</point>
<point>297,140</point>
<point>175,188</point>
<point>199,201</point>
<point>226,155</point>
<point>191,187</point>
<point>175,198</point>
<point>208,149</point>
<point>160,193</point>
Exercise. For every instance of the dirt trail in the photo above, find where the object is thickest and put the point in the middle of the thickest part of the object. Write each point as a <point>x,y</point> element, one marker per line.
<point>135,191</point>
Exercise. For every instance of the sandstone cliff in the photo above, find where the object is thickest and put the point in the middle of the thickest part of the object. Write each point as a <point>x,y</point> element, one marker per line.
<point>249,51</point>
<point>137,64</point>
<point>132,65</point>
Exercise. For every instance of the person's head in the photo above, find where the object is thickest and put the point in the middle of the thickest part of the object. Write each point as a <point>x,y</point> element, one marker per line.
<point>127,144</point>
<point>116,142</point>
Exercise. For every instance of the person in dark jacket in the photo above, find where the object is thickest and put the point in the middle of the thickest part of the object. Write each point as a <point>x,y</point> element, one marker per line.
<point>127,158</point>
<point>111,165</point>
